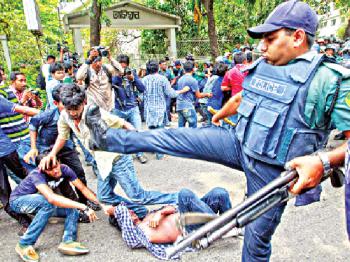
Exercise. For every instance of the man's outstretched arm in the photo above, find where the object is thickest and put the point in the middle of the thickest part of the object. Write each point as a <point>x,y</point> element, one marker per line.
<point>310,168</point>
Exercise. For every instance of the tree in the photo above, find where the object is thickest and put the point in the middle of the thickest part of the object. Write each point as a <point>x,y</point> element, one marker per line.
<point>95,22</point>
<point>213,37</point>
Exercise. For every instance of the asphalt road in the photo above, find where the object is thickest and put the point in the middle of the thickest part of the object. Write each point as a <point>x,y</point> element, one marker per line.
<point>313,233</point>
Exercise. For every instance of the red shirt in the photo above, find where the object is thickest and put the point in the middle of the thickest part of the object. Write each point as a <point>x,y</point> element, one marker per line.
<point>234,79</point>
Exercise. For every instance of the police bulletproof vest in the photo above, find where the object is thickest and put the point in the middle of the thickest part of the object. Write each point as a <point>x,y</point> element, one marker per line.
<point>271,123</point>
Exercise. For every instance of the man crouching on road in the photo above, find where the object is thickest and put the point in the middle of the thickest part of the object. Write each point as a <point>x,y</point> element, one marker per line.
<point>35,195</point>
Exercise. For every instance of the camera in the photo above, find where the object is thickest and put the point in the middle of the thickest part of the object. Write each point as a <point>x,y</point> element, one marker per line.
<point>102,50</point>
<point>33,91</point>
<point>64,46</point>
<point>127,71</point>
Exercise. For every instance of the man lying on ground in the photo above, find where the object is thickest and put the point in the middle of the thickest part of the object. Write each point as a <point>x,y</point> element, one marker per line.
<point>35,195</point>
<point>161,227</point>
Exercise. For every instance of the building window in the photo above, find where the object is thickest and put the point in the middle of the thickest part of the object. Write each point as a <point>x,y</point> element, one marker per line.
<point>333,22</point>
<point>324,24</point>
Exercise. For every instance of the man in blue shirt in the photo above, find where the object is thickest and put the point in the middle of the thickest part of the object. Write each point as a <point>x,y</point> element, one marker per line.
<point>9,158</point>
<point>185,102</point>
<point>125,98</point>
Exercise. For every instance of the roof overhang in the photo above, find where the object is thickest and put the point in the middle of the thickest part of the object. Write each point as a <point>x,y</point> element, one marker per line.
<point>126,15</point>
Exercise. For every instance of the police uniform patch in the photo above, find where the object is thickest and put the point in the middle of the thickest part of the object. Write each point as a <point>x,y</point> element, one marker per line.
<point>347,99</point>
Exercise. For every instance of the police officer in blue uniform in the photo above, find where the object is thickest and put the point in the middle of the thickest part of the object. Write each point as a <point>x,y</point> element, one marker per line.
<point>291,99</point>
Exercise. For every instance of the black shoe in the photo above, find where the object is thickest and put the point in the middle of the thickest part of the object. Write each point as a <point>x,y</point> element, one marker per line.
<point>22,231</point>
<point>98,128</point>
<point>93,206</point>
<point>113,221</point>
<point>143,159</point>
<point>340,136</point>
<point>83,218</point>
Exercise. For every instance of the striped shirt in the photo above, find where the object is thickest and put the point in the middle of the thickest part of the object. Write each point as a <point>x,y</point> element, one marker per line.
<point>12,123</point>
<point>157,88</point>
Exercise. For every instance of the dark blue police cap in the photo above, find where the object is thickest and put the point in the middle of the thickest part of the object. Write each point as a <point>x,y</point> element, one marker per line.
<point>291,14</point>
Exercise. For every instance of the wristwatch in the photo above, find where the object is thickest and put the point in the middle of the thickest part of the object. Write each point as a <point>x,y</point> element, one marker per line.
<point>325,162</point>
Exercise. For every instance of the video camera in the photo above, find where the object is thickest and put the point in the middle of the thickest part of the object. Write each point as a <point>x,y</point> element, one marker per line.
<point>62,46</point>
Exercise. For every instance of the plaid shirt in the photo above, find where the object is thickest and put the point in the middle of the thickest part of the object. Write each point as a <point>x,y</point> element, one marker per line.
<point>134,237</point>
<point>157,89</point>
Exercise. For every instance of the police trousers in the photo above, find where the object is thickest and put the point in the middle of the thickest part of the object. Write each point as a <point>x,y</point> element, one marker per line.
<point>215,144</point>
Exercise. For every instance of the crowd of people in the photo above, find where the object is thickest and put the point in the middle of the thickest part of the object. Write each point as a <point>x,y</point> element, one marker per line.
<point>278,108</point>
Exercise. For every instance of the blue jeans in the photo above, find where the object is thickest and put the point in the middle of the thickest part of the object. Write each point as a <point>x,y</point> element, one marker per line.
<point>214,144</point>
<point>158,155</point>
<point>217,201</point>
<point>43,210</point>
<point>167,119</point>
<point>347,207</point>
<point>133,116</point>
<point>87,155</point>
<point>123,172</point>
<point>187,115</point>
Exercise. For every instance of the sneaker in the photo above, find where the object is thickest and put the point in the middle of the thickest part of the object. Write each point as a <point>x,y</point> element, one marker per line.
<point>160,156</point>
<point>72,248</point>
<point>22,231</point>
<point>143,159</point>
<point>83,218</point>
<point>97,127</point>
<point>27,253</point>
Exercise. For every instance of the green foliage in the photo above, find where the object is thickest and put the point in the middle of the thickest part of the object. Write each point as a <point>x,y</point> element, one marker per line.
<point>23,46</point>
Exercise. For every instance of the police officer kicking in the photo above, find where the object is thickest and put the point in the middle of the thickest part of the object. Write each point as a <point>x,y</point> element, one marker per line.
<point>292,98</point>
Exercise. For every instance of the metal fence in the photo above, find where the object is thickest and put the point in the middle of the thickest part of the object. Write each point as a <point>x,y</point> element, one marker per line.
<point>201,48</point>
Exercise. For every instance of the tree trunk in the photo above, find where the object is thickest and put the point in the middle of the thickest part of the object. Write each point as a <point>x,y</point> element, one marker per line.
<point>347,30</point>
<point>213,38</point>
<point>95,23</point>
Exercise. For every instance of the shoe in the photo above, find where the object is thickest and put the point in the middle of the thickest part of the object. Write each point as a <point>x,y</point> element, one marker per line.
<point>340,136</point>
<point>113,221</point>
<point>143,159</point>
<point>83,218</point>
<point>72,248</point>
<point>159,156</point>
<point>97,127</point>
<point>27,253</point>
<point>93,206</point>
<point>22,231</point>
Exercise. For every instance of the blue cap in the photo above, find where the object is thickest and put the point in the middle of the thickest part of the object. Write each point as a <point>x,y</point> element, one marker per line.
<point>291,14</point>
<point>177,63</point>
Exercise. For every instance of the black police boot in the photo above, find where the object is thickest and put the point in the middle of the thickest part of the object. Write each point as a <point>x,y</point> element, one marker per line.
<point>97,127</point>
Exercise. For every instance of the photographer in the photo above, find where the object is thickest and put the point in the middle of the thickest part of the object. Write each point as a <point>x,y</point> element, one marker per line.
<point>126,107</point>
<point>25,97</point>
<point>97,78</point>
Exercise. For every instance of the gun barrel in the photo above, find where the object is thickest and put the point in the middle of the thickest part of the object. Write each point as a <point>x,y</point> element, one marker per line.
<point>231,214</point>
